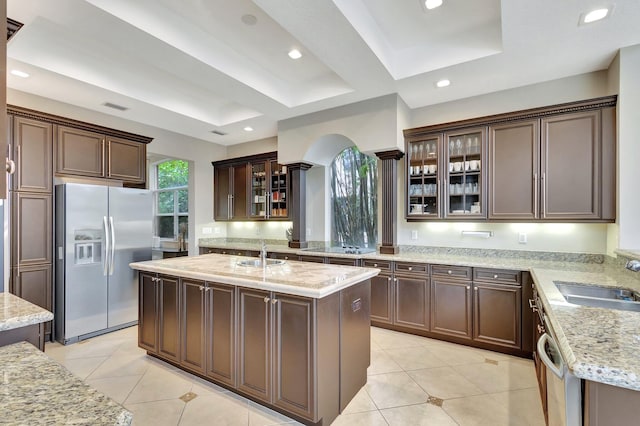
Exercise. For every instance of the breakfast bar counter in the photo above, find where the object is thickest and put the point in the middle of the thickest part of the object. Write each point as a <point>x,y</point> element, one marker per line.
<point>21,320</point>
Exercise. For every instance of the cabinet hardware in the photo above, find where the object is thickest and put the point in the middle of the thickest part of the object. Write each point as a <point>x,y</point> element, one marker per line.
<point>469,287</point>
<point>274,301</point>
<point>201,288</point>
<point>395,280</point>
<point>375,265</point>
<point>540,328</point>
<point>224,252</point>
<point>533,305</point>
<point>286,258</point>
<point>11,166</point>
<point>207,289</point>
<point>410,268</point>
<point>535,195</point>
<point>495,276</point>
<point>389,278</point>
<point>449,272</point>
<point>239,253</point>
<point>266,299</point>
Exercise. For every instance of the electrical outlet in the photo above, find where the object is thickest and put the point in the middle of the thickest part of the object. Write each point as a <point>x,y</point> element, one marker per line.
<point>216,230</point>
<point>414,235</point>
<point>308,232</point>
<point>522,238</point>
<point>207,230</point>
<point>257,230</point>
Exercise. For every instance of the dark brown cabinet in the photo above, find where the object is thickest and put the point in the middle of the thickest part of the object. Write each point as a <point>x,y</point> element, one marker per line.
<point>33,283</point>
<point>230,192</point>
<point>220,330</point>
<point>496,309</point>
<point>514,170</point>
<point>550,164</point>
<point>148,312</point>
<point>169,317</point>
<point>192,324</point>
<point>382,292</point>
<point>32,153</point>
<point>4,126</point>
<point>31,229</point>
<point>92,154</point>
<point>451,307</point>
<point>411,296</point>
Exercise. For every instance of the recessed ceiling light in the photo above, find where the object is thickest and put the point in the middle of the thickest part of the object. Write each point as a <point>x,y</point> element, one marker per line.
<point>443,83</point>
<point>295,54</point>
<point>248,129</point>
<point>249,19</point>
<point>19,73</point>
<point>595,15</point>
<point>432,4</point>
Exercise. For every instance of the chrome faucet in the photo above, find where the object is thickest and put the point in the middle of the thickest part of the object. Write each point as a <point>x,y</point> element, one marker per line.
<point>263,253</point>
<point>633,265</point>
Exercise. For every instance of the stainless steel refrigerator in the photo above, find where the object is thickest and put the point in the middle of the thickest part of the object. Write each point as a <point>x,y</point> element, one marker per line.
<point>99,231</point>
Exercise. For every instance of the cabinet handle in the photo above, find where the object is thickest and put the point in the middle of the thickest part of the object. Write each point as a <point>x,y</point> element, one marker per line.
<point>207,289</point>
<point>540,328</point>
<point>535,195</point>
<point>395,280</point>
<point>543,192</point>
<point>266,299</point>
<point>495,276</point>
<point>11,166</point>
<point>201,288</point>
<point>449,272</point>
<point>411,268</point>
<point>389,279</point>
<point>375,265</point>
<point>224,252</point>
<point>533,305</point>
<point>239,253</point>
<point>274,301</point>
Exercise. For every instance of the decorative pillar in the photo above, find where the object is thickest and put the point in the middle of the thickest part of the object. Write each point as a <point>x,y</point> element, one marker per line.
<point>389,179</point>
<point>298,203</point>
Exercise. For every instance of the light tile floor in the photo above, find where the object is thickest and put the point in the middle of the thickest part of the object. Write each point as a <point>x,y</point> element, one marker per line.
<point>409,378</point>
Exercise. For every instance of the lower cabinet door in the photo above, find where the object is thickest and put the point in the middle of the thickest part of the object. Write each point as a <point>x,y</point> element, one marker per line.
<point>412,302</point>
<point>148,312</point>
<point>192,353</point>
<point>294,379</point>
<point>33,284</point>
<point>497,314</point>
<point>451,308</point>
<point>382,299</point>
<point>254,343</point>
<point>221,332</point>
<point>169,318</point>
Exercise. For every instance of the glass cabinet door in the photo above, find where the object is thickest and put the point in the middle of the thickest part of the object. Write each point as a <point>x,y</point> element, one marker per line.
<point>463,167</point>
<point>423,182</point>
<point>259,202</point>
<point>279,184</point>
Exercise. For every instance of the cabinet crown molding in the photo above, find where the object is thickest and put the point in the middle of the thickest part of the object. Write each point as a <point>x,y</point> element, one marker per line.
<point>394,154</point>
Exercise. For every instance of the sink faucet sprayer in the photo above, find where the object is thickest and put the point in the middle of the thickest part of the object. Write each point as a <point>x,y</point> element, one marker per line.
<point>633,265</point>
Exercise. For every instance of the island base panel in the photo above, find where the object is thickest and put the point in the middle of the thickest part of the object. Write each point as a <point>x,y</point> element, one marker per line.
<point>33,334</point>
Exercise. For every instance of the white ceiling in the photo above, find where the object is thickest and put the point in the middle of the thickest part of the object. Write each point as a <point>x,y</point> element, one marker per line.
<point>193,66</point>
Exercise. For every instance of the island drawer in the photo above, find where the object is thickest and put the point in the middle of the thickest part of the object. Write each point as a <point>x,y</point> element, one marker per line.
<point>412,268</point>
<point>461,272</point>
<point>502,276</point>
<point>383,265</point>
<point>283,256</point>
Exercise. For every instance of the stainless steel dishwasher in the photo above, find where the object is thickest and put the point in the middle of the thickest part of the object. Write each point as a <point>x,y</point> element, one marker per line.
<point>564,390</point>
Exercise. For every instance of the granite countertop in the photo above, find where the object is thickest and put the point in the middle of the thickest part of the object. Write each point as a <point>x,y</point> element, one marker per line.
<point>37,390</point>
<point>598,344</point>
<point>16,312</point>
<point>293,277</point>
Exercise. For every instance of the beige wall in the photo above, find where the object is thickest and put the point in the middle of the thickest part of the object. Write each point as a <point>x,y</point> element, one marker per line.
<point>198,152</point>
<point>254,147</point>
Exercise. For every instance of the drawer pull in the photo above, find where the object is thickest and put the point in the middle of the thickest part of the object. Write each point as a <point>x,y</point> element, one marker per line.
<point>266,299</point>
<point>224,252</point>
<point>274,301</point>
<point>239,253</point>
<point>469,288</point>
<point>541,329</point>
<point>449,272</point>
<point>375,265</point>
<point>411,268</point>
<point>495,276</point>
<point>286,258</point>
<point>389,279</point>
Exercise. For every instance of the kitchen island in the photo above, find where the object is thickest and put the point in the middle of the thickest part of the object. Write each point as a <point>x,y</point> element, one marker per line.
<point>293,336</point>
<point>22,320</point>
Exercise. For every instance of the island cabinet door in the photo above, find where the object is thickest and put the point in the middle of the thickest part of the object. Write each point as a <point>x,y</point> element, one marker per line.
<point>169,318</point>
<point>294,346</point>
<point>148,312</point>
<point>254,345</point>
<point>451,308</point>
<point>412,302</point>
<point>192,353</point>
<point>221,332</point>
<point>382,299</point>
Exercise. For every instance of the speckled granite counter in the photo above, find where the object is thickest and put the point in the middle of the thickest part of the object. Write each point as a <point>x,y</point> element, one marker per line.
<point>599,344</point>
<point>16,312</point>
<point>296,278</point>
<point>37,390</point>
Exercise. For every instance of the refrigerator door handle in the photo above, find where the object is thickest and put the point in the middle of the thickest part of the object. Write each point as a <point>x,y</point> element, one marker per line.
<point>113,246</point>
<point>107,242</point>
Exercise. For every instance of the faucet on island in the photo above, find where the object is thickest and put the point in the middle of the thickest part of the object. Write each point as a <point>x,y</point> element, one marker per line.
<point>263,253</point>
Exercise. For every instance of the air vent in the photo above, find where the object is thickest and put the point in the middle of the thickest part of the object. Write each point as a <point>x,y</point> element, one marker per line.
<point>218,132</point>
<point>115,106</point>
<point>12,27</point>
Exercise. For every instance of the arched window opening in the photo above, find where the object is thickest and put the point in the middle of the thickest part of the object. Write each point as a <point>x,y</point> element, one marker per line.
<point>354,200</point>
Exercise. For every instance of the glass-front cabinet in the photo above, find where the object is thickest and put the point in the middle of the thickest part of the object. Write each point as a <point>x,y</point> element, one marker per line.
<point>446,176</point>
<point>269,190</point>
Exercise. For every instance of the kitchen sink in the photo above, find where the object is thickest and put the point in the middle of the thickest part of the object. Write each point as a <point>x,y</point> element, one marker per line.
<point>599,296</point>
<point>257,263</point>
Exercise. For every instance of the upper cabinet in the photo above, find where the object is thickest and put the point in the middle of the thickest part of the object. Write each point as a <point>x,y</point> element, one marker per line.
<point>92,154</point>
<point>32,153</point>
<point>251,188</point>
<point>446,175</point>
<point>549,164</point>
<point>4,128</point>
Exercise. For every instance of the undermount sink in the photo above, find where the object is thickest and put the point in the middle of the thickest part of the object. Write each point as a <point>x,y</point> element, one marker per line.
<point>257,263</point>
<point>600,296</point>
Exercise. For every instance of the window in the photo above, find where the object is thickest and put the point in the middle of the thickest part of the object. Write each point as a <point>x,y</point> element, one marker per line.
<point>171,199</point>
<point>354,200</point>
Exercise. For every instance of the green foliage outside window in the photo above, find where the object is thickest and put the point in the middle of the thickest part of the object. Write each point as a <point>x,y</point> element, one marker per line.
<point>172,198</point>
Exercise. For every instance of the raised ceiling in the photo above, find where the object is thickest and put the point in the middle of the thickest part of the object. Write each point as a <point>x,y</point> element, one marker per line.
<point>194,66</point>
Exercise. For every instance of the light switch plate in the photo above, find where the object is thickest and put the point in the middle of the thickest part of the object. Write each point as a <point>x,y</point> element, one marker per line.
<point>414,235</point>
<point>522,238</point>
<point>207,230</point>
